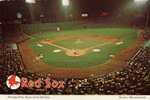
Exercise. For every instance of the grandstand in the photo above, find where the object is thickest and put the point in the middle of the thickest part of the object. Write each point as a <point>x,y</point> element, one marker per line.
<point>119,82</point>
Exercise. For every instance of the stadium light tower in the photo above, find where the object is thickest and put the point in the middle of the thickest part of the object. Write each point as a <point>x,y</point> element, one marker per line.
<point>30,1</point>
<point>143,3</point>
<point>140,1</point>
<point>31,6</point>
<point>65,3</point>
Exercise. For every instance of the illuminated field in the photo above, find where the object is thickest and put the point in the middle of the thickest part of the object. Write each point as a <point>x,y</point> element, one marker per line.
<point>99,46</point>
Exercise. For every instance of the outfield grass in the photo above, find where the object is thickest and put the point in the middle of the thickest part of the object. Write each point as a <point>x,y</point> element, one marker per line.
<point>127,35</point>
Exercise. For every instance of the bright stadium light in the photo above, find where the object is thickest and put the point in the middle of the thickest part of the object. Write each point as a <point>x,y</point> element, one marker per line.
<point>84,15</point>
<point>19,15</point>
<point>143,3</point>
<point>65,2</point>
<point>140,1</point>
<point>30,1</point>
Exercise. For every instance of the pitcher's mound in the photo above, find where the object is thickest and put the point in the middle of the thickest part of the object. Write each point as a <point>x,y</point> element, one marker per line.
<point>75,53</point>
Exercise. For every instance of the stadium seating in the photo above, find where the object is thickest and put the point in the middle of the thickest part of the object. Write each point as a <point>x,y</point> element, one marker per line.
<point>133,79</point>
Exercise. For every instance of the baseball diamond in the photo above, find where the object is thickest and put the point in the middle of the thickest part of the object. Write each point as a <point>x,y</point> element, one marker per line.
<point>82,51</point>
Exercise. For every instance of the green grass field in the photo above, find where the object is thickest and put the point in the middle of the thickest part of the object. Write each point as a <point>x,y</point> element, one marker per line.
<point>61,60</point>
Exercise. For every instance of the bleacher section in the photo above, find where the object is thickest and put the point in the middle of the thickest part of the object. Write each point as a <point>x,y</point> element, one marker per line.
<point>133,79</point>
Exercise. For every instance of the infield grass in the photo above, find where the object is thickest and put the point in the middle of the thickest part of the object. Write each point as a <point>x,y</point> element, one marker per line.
<point>126,35</point>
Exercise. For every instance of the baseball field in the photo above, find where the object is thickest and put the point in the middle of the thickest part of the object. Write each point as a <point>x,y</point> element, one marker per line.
<point>82,51</point>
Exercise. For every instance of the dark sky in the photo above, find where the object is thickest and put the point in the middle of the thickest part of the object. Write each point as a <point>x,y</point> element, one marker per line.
<point>93,7</point>
<point>88,5</point>
<point>52,9</point>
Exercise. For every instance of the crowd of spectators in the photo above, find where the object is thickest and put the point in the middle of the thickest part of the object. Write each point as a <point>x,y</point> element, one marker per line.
<point>134,78</point>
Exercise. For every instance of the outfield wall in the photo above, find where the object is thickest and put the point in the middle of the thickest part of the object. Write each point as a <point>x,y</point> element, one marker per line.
<point>43,27</point>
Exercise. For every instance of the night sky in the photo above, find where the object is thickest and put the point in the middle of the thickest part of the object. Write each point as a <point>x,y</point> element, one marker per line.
<point>53,9</point>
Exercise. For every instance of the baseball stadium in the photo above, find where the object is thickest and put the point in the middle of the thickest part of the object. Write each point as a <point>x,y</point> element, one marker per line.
<point>79,52</point>
<point>94,47</point>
